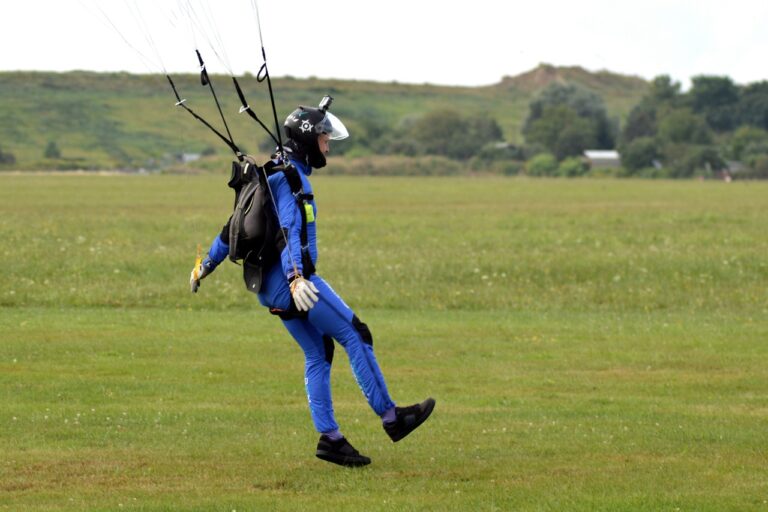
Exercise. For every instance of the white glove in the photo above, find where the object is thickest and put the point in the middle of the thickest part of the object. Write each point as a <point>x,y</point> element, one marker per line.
<point>304,293</point>
<point>199,272</point>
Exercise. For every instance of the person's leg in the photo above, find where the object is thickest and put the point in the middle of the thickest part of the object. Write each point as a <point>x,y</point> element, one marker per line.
<point>333,317</point>
<point>318,352</point>
<point>318,356</point>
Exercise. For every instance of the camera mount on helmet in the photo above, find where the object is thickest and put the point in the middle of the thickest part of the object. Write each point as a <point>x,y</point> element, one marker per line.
<point>325,103</point>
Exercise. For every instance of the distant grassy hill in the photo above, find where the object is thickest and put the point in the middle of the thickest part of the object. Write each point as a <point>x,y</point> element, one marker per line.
<point>107,120</point>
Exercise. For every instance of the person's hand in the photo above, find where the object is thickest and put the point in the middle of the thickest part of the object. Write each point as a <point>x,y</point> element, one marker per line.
<point>199,272</point>
<point>304,293</point>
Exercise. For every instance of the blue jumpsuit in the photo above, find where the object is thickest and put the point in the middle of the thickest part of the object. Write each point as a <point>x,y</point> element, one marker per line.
<point>330,319</point>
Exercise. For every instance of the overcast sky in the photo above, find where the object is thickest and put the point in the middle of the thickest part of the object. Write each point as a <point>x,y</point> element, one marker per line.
<point>415,41</point>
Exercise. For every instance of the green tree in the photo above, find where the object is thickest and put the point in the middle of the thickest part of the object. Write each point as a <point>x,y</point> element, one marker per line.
<point>543,164</point>
<point>52,150</point>
<point>748,141</point>
<point>442,132</point>
<point>753,105</point>
<point>449,133</point>
<point>663,97</point>
<point>7,158</point>
<point>686,160</point>
<point>572,167</point>
<point>683,126</point>
<point>663,90</point>
<point>562,131</point>
<point>716,98</point>
<point>639,154</point>
<point>585,103</point>
<point>641,122</point>
<point>758,167</point>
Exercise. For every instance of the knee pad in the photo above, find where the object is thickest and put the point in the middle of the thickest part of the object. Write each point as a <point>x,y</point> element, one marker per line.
<point>329,348</point>
<point>363,330</point>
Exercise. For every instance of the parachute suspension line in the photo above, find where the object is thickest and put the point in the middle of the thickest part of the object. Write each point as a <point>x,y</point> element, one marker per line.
<point>224,58</point>
<point>264,74</point>
<point>196,25</point>
<point>258,24</point>
<point>151,66</point>
<point>206,80</point>
<point>182,103</point>
<point>144,28</point>
<point>277,129</point>
<point>247,108</point>
<point>211,34</point>
<point>187,8</point>
<point>181,4</point>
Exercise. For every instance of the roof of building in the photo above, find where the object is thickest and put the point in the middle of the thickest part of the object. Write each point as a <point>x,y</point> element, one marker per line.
<point>602,154</point>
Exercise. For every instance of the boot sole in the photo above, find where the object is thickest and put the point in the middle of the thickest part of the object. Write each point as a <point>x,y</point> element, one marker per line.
<point>342,460</point>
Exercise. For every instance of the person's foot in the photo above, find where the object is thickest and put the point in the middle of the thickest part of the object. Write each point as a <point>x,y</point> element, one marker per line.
<point>408,418</point>
<point>340,452</point>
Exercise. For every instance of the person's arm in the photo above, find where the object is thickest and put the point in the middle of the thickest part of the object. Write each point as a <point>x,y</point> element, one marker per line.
<point>219,249</point>
<point>303,291</point>
<point>290,222</point>
<point>216,254</point>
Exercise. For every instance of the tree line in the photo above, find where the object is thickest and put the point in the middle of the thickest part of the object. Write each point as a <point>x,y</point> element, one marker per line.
<point>699,131</point>
<point>714,128</point>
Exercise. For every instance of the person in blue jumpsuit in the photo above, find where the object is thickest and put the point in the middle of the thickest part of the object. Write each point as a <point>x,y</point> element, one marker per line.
<point>312,312</point>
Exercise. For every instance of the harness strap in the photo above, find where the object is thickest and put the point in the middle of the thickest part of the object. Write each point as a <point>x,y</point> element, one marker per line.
<point>289,314</point>
<point>297,189</point>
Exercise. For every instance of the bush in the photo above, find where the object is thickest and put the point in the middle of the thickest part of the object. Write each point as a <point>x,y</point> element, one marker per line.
<point>500,151</point>
<point>687,160</point>
<point>449,133</point>
<point>544,164</point>
<point>500,167</point>
<point>394,166</point>
<point>52,150</point>
<point>639,153</point>
<point>653,173</point>
<point>606,172</point>
<point>510,168</point>
<point>684,127</point>
<point>357,151</point>
<point>7,158</point>
<point>562,131</point>
<point>758,168</point>
<point>572,167</point>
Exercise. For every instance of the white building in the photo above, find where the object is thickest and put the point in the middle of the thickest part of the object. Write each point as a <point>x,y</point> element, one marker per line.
<point>603,158</point>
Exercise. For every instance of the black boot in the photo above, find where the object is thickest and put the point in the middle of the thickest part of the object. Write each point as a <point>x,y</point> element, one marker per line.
<point>408,418</point>
<point>340,452</point>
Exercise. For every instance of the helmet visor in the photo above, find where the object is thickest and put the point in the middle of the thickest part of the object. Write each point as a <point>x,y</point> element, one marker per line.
<point>333,127</point>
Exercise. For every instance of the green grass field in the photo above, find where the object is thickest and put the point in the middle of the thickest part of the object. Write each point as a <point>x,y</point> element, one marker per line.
<point>592,345</point>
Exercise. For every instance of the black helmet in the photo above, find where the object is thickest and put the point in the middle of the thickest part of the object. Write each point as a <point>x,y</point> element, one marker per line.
<point>304,124</point>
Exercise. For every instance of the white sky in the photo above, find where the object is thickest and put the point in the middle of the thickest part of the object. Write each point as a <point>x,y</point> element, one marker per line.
<point>416,41</point>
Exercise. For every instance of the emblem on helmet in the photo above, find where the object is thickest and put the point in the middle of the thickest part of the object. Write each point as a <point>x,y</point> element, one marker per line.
<point>306,126</point>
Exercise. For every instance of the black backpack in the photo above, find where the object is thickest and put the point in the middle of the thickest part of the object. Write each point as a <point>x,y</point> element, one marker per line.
<point>254,231</point>
<point>252,226</point>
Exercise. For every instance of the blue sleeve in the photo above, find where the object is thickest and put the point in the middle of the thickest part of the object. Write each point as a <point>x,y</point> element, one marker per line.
<point>218,251</point>
<point>290,221</point>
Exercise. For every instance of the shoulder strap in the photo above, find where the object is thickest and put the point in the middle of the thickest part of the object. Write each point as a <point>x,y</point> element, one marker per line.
<point>294,180</point>
<point>293,177</point>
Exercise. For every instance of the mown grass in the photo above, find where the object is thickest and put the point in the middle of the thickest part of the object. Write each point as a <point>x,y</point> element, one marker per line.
<point>593,345</point>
